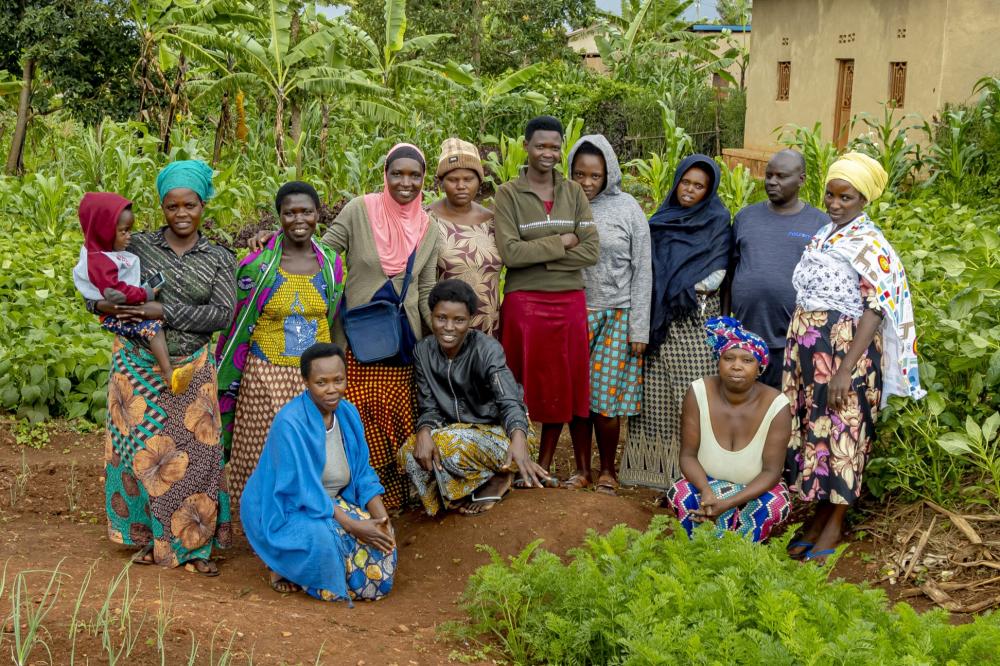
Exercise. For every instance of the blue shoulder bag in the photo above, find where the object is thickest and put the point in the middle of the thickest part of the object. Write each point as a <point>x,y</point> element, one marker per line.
<point>379,331</point>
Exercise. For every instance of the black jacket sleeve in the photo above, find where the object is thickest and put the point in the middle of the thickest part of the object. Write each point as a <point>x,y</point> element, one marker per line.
<point>507,393</point>
<point>428,411</point>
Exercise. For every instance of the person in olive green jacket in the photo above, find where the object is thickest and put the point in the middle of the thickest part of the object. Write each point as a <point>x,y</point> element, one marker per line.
<point>546,236</point>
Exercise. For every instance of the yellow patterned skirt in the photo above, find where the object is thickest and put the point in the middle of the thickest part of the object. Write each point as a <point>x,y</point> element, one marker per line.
<point>470,455</point>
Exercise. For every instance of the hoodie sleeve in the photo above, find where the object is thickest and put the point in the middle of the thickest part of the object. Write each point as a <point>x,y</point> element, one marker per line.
<point>103,274</point>
<point>587,252</point>
<point>642,276</point>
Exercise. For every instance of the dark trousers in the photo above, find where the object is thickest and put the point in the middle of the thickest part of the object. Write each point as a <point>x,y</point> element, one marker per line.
<point>772,376</point>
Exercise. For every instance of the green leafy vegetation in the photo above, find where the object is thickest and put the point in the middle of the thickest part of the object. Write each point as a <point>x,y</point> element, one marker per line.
<point>652,597</point>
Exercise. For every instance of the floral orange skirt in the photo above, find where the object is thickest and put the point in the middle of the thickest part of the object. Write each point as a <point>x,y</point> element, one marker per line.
<point>164,473</point>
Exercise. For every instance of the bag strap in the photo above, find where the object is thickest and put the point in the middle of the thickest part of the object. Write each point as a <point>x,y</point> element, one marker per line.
<point>407,278</point>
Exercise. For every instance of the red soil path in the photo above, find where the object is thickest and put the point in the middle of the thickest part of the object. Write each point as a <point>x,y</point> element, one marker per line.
<point>436,557</point>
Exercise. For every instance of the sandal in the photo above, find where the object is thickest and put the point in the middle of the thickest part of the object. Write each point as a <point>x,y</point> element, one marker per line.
<point>284,586</point>
<point>607,485</point>
<point>814,556</point>
<point>576,482</point>
<point>478,505</point>
<point>483,503</point>
<point>202,567</point>
<point>800,555</point>
<point>142,556</point>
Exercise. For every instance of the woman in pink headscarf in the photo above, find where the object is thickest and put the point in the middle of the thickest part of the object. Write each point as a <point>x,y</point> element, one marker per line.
<point>378,234</point>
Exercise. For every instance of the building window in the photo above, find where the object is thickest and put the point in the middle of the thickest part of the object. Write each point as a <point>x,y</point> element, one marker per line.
<point>897,84</point>
<point>784,80</point>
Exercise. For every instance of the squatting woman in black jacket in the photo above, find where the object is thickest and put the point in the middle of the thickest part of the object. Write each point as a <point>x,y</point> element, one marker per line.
<point>473,432</point>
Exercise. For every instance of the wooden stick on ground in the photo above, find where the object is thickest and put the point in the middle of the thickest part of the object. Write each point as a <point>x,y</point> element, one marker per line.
<point>918,551</point>
<point>959,522</point>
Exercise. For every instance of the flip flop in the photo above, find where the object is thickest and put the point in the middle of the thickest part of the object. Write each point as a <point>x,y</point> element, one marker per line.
<point>810,555</point>
<point>799,544</point>
<point>485,503</point>
<point>139,557</point>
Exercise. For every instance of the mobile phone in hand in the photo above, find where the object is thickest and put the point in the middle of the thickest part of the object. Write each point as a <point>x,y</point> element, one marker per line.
<point>156,280</point>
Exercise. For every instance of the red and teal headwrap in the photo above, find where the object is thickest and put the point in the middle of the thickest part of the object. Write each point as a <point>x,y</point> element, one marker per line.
<point>724,333</point>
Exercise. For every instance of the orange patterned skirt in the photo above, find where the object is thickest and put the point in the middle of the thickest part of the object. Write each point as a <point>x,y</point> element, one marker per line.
<point>386,400</point>
<point>264,390</point>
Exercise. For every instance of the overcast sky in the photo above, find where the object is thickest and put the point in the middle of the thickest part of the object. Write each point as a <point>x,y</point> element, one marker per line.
<point>702,9</point>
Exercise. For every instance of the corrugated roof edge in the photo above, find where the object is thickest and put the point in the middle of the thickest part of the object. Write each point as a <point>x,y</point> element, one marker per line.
<point>714,27</point>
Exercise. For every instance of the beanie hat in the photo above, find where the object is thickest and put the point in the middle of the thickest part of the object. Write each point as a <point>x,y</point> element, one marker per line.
<point>458,154</point>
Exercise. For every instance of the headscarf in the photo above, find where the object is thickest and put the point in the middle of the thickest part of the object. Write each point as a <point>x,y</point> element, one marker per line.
<point>397,227</point>
<point>864,173</point>
<point>255,284</point>
<point>724,333</point>
<point>99,213</point>
<point>189,174</point>
<point>688,245</point>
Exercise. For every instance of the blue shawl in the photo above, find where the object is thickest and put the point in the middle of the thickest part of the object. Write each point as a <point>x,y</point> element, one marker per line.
<point>688,244</point>
<point>286,514</point>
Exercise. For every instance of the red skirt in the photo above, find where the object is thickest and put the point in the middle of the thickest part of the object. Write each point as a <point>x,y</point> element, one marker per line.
<point>544,335</point>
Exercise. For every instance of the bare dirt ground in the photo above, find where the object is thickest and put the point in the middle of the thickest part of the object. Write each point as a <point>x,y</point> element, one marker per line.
<point>52,516</point>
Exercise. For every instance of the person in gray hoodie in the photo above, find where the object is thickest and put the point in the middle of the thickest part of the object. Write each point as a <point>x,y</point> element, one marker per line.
<point>618,290</point>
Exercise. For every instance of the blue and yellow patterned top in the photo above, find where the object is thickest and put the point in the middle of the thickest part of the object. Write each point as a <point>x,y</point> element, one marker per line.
<point>294,318</point>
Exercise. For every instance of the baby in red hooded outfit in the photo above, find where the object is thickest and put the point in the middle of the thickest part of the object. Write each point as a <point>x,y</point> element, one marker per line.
<point>107,272</point>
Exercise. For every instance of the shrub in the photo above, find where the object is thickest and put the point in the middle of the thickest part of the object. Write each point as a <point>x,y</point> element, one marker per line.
<point>633,597</point>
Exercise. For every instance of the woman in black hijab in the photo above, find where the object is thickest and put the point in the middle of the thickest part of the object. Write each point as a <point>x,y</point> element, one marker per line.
<point>691,243</point>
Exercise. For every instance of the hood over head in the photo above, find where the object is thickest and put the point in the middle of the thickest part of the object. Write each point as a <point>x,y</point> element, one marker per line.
<point>99,213</point>
<point>613,183</point>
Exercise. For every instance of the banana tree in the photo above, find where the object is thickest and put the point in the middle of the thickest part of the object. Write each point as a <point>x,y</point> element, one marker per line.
<point>397,62</point>
<point>490,95</point>
<point>650,41</point>
<point>161,24</point>
<point>269,61</point>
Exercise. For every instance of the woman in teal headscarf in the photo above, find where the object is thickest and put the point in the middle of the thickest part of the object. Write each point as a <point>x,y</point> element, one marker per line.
<point>165,486</point>
<point>288,294</point>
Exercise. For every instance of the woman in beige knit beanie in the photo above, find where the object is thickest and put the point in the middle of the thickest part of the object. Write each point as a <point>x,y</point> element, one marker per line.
<point>468,248</point>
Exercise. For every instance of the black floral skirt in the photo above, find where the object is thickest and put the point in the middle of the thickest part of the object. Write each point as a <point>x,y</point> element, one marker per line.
<point>829,449</point>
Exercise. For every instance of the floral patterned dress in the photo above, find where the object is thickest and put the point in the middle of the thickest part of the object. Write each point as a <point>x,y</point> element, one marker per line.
<point>829,449</point>
<point>469,253</point>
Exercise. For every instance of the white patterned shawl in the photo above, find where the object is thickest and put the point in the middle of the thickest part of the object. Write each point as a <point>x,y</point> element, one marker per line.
<point>822,279</point>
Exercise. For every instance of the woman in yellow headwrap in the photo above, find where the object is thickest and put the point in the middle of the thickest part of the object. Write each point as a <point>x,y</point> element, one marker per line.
<point>851,344</point>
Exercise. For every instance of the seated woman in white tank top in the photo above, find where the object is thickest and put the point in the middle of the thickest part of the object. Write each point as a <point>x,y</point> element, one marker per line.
<point>734,434</point>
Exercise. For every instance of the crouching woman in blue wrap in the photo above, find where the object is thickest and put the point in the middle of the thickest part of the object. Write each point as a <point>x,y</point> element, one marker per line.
<point>302,506</point>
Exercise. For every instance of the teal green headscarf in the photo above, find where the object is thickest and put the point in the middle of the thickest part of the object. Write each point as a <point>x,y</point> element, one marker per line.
<point>189,174</point>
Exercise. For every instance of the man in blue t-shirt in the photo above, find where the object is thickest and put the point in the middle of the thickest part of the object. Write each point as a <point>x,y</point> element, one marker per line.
<point>769,238</point>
